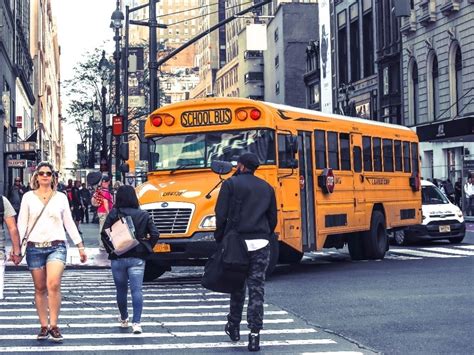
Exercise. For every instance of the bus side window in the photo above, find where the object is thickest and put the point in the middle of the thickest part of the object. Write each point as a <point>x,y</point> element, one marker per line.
<point>387,155</point>
<point>406,157</point>
<point>414,157</point>
<point>367,146</point>
<point>377,154</point>
<point>357,155</point>
<point>333,150</point>
<point>398,156</point>
<point>285,158</point>
<point>320,143</point>
<point>345,151</point>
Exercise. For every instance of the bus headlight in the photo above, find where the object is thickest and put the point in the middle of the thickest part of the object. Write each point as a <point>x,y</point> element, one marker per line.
<point>208,222</point>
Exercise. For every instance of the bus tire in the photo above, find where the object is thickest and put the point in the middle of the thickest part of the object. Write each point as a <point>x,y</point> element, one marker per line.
<point>376,240</point>
<point>154,270</point>
<point>356,246</point>
<point>288,255</point>
<point>274,253</point>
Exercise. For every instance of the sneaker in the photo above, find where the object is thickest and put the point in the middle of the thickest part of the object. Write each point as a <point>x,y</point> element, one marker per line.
<point>43,334</point>
<point>123,322</point>
<point>136,328</point>
<point>254,342</point>
<point>232,331</point>
<point>56,334</point>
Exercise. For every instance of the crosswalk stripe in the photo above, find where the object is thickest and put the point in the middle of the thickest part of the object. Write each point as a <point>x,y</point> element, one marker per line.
<point>158,335</point>
<point>425,254</point>
<point>240,344</point>
<point>450,251</point>
<point>112,295</point>
<point>163,324</point>
<point>225,299</point>
<point>468,247</point>
<point>149,315</point>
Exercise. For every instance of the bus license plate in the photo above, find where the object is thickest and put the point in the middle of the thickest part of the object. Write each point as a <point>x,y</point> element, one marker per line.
<point>444,229</point>
<point>162,248</point>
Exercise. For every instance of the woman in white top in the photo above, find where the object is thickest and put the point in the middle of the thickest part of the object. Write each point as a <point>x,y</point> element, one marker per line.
<point>44,214</point>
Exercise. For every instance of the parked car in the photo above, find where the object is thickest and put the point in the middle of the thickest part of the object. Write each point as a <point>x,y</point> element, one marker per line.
<point>441,219</point>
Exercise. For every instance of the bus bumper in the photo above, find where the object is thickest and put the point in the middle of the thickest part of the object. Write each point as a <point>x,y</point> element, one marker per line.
<point>187,251</point>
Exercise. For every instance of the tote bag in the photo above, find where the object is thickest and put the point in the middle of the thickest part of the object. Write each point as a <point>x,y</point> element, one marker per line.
<point>122,235</point>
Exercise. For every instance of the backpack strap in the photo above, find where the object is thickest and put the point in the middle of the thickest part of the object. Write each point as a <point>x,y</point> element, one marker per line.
<point>2,209</point>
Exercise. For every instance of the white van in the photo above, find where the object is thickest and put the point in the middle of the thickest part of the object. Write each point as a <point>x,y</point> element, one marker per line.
<point>441,219</point>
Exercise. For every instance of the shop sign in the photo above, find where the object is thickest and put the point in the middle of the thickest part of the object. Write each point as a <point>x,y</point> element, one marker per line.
<point>16,163</point>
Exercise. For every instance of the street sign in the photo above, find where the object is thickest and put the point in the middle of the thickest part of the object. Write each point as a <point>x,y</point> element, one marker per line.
<point>117,125</point>
<point>16,163</point>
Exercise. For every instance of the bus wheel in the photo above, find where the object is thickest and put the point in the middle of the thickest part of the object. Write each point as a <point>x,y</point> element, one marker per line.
<point>274,252</point>
<point>288,255</point>
<point>154,270</point>
<point>376,240</point>
<point>356,246</point>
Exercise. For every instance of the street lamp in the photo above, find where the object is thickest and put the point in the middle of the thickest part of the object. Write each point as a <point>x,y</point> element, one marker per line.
<point>116,24</point>
<point>104,67</point>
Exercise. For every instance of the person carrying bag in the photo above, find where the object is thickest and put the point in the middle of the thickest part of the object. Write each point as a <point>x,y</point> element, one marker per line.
<point>129,236</point>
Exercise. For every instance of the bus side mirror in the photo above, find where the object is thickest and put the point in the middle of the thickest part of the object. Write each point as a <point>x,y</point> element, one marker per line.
<point>293,163</point>
<point>221,167</point>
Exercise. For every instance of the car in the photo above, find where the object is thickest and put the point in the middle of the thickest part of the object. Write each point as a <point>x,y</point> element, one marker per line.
<point>441,219</point>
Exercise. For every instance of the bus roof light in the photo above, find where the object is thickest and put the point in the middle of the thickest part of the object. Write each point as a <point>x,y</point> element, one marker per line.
<point>156,121</point>
<point>255,114</point>
<point>241,115</point>
<point>169,120</point>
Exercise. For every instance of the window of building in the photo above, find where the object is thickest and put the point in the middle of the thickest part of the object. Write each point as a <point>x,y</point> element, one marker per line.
<point>345,151</point>
<point>342,47</point>
<point>313,94</point>
<point>277,87</point>
<point>277,61</point>
<point>377,154</point>
<point>458,68</point>
<point>368,40</point>
<point>355,42</point>
<point>455,79</point>
<point>320,141</point>
<point>333,150</point>
<point>433,86</point>
<point>413,92</point>
<point>387,155</point>
<point>367,150</point>
<point>406,157</point>
<point>275,35</point>
<point>398,156</point>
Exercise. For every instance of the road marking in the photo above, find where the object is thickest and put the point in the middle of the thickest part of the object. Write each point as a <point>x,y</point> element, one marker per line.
<point>240,344</point>
<point>450,251</point>
<point>86,296</point>
<point>424,254</point>
<point>147,301</point>
<point>170,334</point>
<point>469,247</point>
<point>163,324</point>
<point>150,315</point>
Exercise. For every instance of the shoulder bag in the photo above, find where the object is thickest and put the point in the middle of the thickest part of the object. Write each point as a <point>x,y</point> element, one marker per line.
<point>24,242</point>
<point>122,234</point>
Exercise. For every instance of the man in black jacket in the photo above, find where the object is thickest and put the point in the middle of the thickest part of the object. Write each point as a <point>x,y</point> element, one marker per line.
<point>256,223</point>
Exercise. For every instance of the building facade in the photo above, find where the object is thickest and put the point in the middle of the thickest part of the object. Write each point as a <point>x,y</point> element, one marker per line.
<point>438,84</point>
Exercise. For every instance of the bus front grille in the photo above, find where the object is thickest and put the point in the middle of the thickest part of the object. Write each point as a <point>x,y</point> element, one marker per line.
<point>171,220</point>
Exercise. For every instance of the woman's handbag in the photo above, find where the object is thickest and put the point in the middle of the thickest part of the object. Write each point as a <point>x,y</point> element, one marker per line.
<point>122,235</point>
<point>24,242</point>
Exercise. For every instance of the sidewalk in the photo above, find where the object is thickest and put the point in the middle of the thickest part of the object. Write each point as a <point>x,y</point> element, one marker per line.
<point>96,258</point>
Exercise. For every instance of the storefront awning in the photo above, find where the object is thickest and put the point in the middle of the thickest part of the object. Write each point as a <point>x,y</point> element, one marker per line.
<point>457,130</point>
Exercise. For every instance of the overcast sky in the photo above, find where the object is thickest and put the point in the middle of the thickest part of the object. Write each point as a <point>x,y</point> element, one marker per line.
<point>82,26</point>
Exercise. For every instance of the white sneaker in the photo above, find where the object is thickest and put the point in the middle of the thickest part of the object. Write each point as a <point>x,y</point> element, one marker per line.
<point>136,328</point>
<point>123,323</point>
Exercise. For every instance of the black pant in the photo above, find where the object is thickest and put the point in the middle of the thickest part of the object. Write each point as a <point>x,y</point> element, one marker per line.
<point>85,214</point>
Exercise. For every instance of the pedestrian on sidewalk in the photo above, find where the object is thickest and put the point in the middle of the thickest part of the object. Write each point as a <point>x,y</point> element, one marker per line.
<point>44,218</point>
<point>130,266</point>
<point>7,215</point>
<point>103,200</point>
<point>469,195</point>
<point>86,201</point>
<point>257,222</point>
<point>15,194</point>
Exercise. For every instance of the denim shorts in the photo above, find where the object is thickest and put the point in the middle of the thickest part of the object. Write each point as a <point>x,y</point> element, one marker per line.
<point>37,258</point>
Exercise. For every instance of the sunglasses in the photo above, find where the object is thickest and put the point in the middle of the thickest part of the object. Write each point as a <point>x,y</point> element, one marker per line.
<point>43,173</point>
<point>17,180</point>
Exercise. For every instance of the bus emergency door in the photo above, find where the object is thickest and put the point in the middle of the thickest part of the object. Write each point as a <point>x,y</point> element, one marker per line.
<point>358,180</point>
<point>305,157</point>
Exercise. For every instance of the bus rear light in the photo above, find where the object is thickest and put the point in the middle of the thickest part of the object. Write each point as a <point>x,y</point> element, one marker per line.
<point>169,120</point>
<point>255,114</point>
<point>241,115</point>
<point>156,121</point>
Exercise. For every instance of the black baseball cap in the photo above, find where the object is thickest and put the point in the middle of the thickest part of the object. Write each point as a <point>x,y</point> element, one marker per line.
<point>105,178</point>
<point>249,160</point>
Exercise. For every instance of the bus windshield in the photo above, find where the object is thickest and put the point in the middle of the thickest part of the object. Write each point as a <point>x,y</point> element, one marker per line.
<point>198,150</point>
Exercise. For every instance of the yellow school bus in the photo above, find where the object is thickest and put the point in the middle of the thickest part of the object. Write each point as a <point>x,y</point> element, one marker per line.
<point>338,180</point>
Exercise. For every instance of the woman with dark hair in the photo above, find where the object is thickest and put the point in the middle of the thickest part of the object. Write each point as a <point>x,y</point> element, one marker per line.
<point>44,218</point>
<point>130,266</point>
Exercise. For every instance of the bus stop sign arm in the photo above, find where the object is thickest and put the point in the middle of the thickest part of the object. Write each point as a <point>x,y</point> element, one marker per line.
<point>211,29</point>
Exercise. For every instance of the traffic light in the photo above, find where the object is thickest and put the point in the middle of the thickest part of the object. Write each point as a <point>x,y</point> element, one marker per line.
<point>123,151</point>
<point>117,125</point>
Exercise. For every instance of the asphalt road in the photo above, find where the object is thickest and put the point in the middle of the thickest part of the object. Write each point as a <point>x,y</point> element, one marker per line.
<point>395,306</point>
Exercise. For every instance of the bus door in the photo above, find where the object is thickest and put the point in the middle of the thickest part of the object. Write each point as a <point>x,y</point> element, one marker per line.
<point>359,179</point>
<point>305,157</point>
